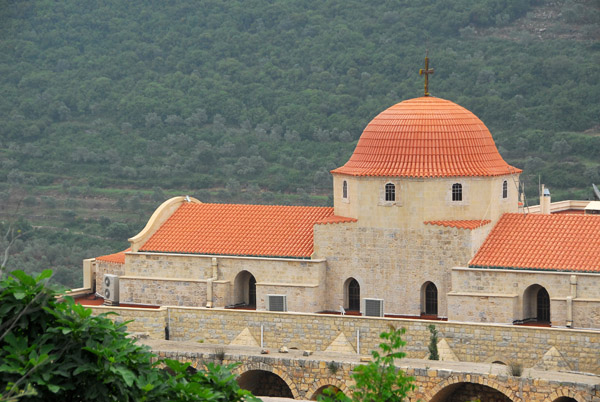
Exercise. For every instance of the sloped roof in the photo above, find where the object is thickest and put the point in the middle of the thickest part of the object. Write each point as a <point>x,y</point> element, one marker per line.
<point>335,219</point>
<point>542,242</point>
<point>234,229</point>
<point>464,224</point>
<point>426,137</point>
<point>116,258</point>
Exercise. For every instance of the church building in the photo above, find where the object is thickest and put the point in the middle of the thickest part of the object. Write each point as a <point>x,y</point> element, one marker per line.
<point>426,223</point>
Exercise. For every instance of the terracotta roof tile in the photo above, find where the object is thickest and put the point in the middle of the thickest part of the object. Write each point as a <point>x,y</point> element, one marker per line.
<point>426,137</point>
<point>465,224</point>
<point>335,219</point>
<point>116,258</point>
<point>546,242</point>
<point>233,229</point>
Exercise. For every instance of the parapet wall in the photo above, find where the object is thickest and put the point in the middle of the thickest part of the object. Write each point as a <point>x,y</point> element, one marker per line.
<point>574,350</point>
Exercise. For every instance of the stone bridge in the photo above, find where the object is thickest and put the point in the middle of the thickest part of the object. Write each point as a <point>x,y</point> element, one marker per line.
<point>294,375</point>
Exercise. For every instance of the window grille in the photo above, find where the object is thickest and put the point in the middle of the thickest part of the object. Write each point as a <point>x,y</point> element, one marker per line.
<point>457,192</point>
<point>390,192</point>
<point>431,302</point>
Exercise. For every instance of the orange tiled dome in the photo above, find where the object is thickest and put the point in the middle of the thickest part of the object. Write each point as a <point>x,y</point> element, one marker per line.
<point>426,137</point>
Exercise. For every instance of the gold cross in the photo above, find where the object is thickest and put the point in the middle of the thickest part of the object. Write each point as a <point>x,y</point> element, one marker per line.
<point>426,71</point>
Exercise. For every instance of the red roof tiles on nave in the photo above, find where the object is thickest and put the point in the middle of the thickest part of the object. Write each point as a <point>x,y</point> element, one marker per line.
<point>465,224</point>
<point>426,137</point>
<point>546,242</point>
<point>116,258</point>
<point>234,229</point>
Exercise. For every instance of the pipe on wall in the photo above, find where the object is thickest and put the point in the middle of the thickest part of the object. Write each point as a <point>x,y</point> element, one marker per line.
<point>209,283</point>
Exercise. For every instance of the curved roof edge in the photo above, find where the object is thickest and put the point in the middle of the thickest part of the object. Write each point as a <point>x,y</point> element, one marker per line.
<point>160,215</point>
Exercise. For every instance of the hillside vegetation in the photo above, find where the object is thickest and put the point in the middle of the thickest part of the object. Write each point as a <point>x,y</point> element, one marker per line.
<point>108,108</point>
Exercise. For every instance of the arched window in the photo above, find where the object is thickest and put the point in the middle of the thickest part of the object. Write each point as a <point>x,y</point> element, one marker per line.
<point>353,295</point>
<point>536,305</point>
<point>345,189</point>
<point>457,192</point>
<point>390,192</point>
<point>543,306</point>
<point>431,299</point>
<point>504,189</point>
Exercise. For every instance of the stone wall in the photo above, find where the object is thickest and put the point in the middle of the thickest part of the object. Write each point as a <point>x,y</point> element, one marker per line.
<point>578,350</point>
<point>175,279</point>
<point>306,376</point>
<point>398,262</point>
<point>499,295</point>
<point>419,200</point>
<point>102,268</point>
<point>150,322</point>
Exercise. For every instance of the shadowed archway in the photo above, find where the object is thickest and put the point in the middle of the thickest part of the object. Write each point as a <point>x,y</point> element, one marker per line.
<point>264,383</point>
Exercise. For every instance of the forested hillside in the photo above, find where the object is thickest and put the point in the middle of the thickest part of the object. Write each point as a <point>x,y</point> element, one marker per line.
<point>110,107</point>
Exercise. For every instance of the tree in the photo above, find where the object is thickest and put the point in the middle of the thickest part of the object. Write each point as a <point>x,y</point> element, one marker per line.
<point>55,350</point>
<point>380,380</point>
<point>433,349</point>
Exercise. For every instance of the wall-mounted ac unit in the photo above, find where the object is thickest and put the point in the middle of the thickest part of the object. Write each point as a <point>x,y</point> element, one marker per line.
<point>276,302</point>
<point>111,289</point>
<point>373,307</point>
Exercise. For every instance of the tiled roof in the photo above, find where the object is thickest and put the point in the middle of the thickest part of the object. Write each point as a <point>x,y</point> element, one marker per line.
<point>116,258</point>
<point>466,224</point>
<point>245,230</point>
<point>335,219</point>
<point>426,137</point>
<point>546,242</point>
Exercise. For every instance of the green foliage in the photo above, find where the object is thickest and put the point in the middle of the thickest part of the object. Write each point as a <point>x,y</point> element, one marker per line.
<point>256,103</point>
<point>56,350</point>
<point>380,380</point>
<point>433,341</point>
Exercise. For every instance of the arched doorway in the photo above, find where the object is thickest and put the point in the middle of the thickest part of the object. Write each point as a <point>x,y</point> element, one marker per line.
<point>264,383</point>
<point>429,299</point>
<point>352,295</point>
<point>245,290</point>
<point>565,399</point>
<point>468,391</point>
<point>536,305</point>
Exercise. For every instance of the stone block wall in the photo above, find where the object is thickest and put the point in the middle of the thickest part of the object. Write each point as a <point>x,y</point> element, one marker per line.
<point>102,268</point>
<point>470,342</point>
<point>150,322</point>
<point>136,290</point>
<point>484,343</point>
<point>500,295</point>
<point>171,279</point>
<point>398,264</point>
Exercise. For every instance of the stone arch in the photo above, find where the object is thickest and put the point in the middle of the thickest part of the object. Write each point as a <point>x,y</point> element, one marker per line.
<point>260,366</point>
<point>442,390</point>
<point>533,309</point>
<point>352,294</point>
<point>429,298</point>
<point>244,289</point>
<point>317,388</point>
<point>564,394</point>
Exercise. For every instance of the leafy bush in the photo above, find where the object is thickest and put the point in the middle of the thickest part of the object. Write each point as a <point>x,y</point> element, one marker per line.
<point>55,350</point>
<point>380,380</point>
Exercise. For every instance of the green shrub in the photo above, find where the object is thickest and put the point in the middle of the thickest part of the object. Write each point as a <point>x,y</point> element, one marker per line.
<point>55,350</point>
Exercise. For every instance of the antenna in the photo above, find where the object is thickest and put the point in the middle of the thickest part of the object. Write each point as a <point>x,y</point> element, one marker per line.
<point>187,198</point>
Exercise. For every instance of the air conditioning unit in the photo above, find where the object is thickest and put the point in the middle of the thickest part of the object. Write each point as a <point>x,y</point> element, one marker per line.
<point>276,302</point>
<point>373,307</point>
<point>111,290</point>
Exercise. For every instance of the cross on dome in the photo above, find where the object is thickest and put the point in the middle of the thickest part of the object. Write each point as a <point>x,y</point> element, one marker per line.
<point>426,71</point>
